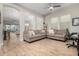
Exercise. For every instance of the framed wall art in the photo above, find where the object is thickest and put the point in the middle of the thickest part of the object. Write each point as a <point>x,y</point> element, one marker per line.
<point>75,21</point>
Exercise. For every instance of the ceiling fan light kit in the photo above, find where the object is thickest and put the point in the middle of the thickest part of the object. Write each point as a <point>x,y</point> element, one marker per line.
<point>51,8</point>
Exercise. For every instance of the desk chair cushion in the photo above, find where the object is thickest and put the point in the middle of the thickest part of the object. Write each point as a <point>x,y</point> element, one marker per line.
<point>74,36</point>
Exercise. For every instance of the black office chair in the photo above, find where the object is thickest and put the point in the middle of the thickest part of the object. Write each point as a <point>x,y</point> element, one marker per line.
<point>73,37</point>
<point>67,35</point>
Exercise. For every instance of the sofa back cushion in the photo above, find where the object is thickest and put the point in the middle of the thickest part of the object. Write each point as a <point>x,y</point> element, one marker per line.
<point>31,33</point>
<point>50,31</point>
<point>61,32</point>
<point>39,31</point>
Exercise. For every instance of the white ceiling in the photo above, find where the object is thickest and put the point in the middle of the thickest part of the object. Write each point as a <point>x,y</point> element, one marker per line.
<point>40,8</point>
<point>10,14</point>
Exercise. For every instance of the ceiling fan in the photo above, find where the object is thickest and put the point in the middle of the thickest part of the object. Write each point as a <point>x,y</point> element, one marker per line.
<point>52,6</point>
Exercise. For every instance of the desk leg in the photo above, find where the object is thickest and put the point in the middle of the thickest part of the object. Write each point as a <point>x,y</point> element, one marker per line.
<point>4,35</point>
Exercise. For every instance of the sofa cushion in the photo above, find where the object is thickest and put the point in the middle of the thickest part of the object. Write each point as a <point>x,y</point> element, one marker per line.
<point>31,33</point>
<point>39,31</point>
<point>51,32</point>
<point>60,32</point>
<point>42,31</point>
<point>57,35</point>
<point>37,36</point>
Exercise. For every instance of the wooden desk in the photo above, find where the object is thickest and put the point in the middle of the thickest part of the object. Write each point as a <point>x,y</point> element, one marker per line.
<point>6,35</point>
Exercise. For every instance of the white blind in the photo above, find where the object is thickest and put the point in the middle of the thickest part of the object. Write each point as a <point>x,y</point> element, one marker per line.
<point>39,23</point>
<point>54,23</point>
<point>65,21</point>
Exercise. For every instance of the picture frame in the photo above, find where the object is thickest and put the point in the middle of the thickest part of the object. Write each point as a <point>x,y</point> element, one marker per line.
<point>75,21</point>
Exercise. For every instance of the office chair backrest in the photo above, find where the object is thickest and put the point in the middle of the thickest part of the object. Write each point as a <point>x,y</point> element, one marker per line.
<point>73,29</point>
<point>67,35</point>
<point>67,32</point>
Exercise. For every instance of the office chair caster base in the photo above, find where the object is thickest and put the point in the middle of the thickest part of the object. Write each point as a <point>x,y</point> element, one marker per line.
<point>72,46</point>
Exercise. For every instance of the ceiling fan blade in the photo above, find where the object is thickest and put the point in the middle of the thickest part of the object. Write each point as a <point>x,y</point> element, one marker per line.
<point>45,7</point>
<point>57,6</point>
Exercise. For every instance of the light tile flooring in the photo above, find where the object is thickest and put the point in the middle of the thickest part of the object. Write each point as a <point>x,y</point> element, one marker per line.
<point>45,47</point>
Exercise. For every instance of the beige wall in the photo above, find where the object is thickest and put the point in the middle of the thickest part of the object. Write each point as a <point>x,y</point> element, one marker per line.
<point>72,11</point>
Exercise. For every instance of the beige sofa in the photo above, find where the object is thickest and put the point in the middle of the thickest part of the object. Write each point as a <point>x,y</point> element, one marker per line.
<point>33,35</point>
<point>56,34</point>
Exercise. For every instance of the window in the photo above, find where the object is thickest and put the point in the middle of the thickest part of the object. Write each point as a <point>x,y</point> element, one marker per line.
<point>65,21</point>
<point>39,23</point>
<point>54,23</point>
